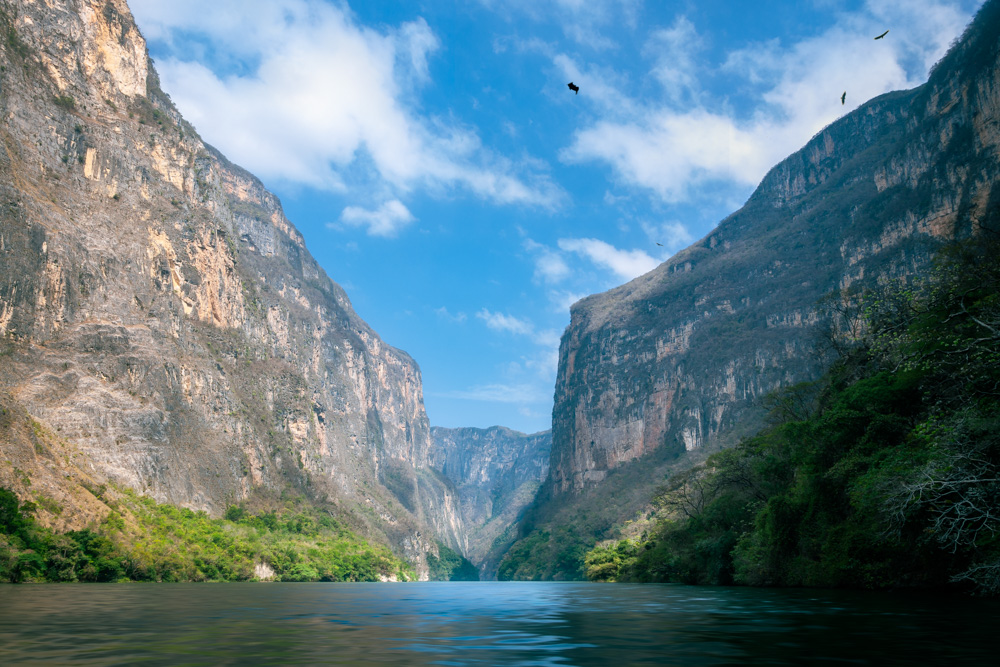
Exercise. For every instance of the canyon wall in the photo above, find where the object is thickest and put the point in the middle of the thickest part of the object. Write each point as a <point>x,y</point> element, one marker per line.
<point>657,372</point>
<point>160,316</point>
<point>495,473</point>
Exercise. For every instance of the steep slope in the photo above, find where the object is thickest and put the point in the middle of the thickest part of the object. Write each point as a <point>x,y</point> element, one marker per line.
<point>495,473</point>
<point>160,314</point>
<point>658,371</point>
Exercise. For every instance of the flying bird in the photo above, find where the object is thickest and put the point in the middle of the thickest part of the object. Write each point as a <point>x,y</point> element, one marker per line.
<point>659,244</point>
<point>882,35</point>
<point>575,88</point>
<point>843,98</point>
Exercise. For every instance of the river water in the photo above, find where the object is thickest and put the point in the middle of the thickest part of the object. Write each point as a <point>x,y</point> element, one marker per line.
<point>487,624</point>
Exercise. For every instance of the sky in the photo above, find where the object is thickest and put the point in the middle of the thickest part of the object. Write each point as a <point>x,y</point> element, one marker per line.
<point>445,175</point>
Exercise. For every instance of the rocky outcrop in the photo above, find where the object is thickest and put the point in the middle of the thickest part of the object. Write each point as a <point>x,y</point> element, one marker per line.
<point>159,313</point>
<point>676,358</point>
<point>495,473</point>
<point>676,361</point>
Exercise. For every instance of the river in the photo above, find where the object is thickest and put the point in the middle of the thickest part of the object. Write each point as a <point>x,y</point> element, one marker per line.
<point>487,624</point>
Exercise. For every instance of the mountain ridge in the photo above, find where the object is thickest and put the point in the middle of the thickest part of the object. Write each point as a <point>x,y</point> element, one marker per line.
<point>656,373</point>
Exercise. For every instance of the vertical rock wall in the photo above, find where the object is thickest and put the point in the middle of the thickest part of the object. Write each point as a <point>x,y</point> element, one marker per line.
<point>658,372</point>
<point>160,313</point>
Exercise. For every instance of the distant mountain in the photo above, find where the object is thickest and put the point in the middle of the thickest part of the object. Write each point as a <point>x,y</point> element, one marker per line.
<point>657,372</point>
<point>496,473</point>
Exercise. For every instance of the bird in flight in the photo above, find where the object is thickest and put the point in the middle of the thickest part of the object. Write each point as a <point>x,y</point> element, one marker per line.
<point>575,88</point>
<point>659,244</point>
<point>843,98</point>
<point>882,35</point>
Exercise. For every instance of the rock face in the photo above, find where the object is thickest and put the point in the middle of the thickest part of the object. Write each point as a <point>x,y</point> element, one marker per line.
<point>158,312</point>
<point>676,360</point>
<point>495,473</point>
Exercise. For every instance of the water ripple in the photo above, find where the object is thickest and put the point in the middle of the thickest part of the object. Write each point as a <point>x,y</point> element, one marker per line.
<point>484,624</point>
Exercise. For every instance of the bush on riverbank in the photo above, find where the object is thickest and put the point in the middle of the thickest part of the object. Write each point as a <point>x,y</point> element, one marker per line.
<point>142,540</point>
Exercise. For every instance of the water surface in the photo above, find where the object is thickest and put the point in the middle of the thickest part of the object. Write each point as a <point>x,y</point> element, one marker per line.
<point>486,624</point>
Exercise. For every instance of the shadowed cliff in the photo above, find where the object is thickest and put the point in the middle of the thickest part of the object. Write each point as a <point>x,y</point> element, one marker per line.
<point>658,372</point>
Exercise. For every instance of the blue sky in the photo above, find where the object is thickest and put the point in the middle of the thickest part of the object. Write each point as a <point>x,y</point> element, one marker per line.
<point>444,174</point>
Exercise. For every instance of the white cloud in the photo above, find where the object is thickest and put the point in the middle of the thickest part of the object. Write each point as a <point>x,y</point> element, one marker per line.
<point>527,382</point>
<point>668,152</point>
<point>545,360</point>
<point>523,393</point>
<point>445,314</point>
<point>673,50</point>
<point>419,41</point>
<point>545,363</point>
<point>508,323</point>
<point>548,338</point>
<point>562,300</point>
<point>580,20</point>
<point>550,267</point>
<point>692,139</point>
<point>600,85</point>
<point>297,90</point>
<point>386,220</point>
<point>626,264</point>
<point>671,235</point>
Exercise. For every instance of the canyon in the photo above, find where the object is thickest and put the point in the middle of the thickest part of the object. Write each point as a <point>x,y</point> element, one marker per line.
<point>164,327</point>
<point>659,372</point>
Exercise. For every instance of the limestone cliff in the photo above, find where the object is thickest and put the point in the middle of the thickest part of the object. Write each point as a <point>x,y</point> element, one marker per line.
<point>495,473</point>
<point>159,314</point>
<point>676,361</point>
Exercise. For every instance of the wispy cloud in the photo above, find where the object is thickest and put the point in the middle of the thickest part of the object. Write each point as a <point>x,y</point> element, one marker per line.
<point>691,139</point>
<point>523,394</point>
<point>445,314</point>
<point>582,21</point>
<point>626,264</point>
<point>384,221</point>
<point>297,90</point>
<point>673,51</point>
<point>562,300</point>
<point>508,323</point>
<point>526,382</point>
<point>550,267</point>
<point>672,235</point>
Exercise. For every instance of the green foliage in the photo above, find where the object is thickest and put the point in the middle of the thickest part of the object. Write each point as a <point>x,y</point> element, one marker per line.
<point>556,554</point>
<point>147,541</point>
<point>65,101</point>
<point>889,477</point>
<point>15,44</point>
<point>606,561</point>
<point>14,518</point>
<point>554,537</point>
<point>450,565</point>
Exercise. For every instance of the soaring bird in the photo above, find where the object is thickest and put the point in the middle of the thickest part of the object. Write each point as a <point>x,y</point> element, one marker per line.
<point>882,35</point>
<point>575,88</point>
<point>843,98</point>
<point>659,244</point>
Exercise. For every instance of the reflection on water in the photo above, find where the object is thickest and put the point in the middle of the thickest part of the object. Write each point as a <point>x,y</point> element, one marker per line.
<point>485,624</point>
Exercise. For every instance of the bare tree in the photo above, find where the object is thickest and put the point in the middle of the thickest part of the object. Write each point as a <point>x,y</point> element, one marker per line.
<point>956,495</point>
<point>687,493</point>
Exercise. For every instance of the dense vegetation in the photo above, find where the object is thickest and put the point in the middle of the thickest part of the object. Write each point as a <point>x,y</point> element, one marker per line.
<point>141,540</point>
<point>553,546</point>
<point>449,565</point>
<point>885,473</point>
